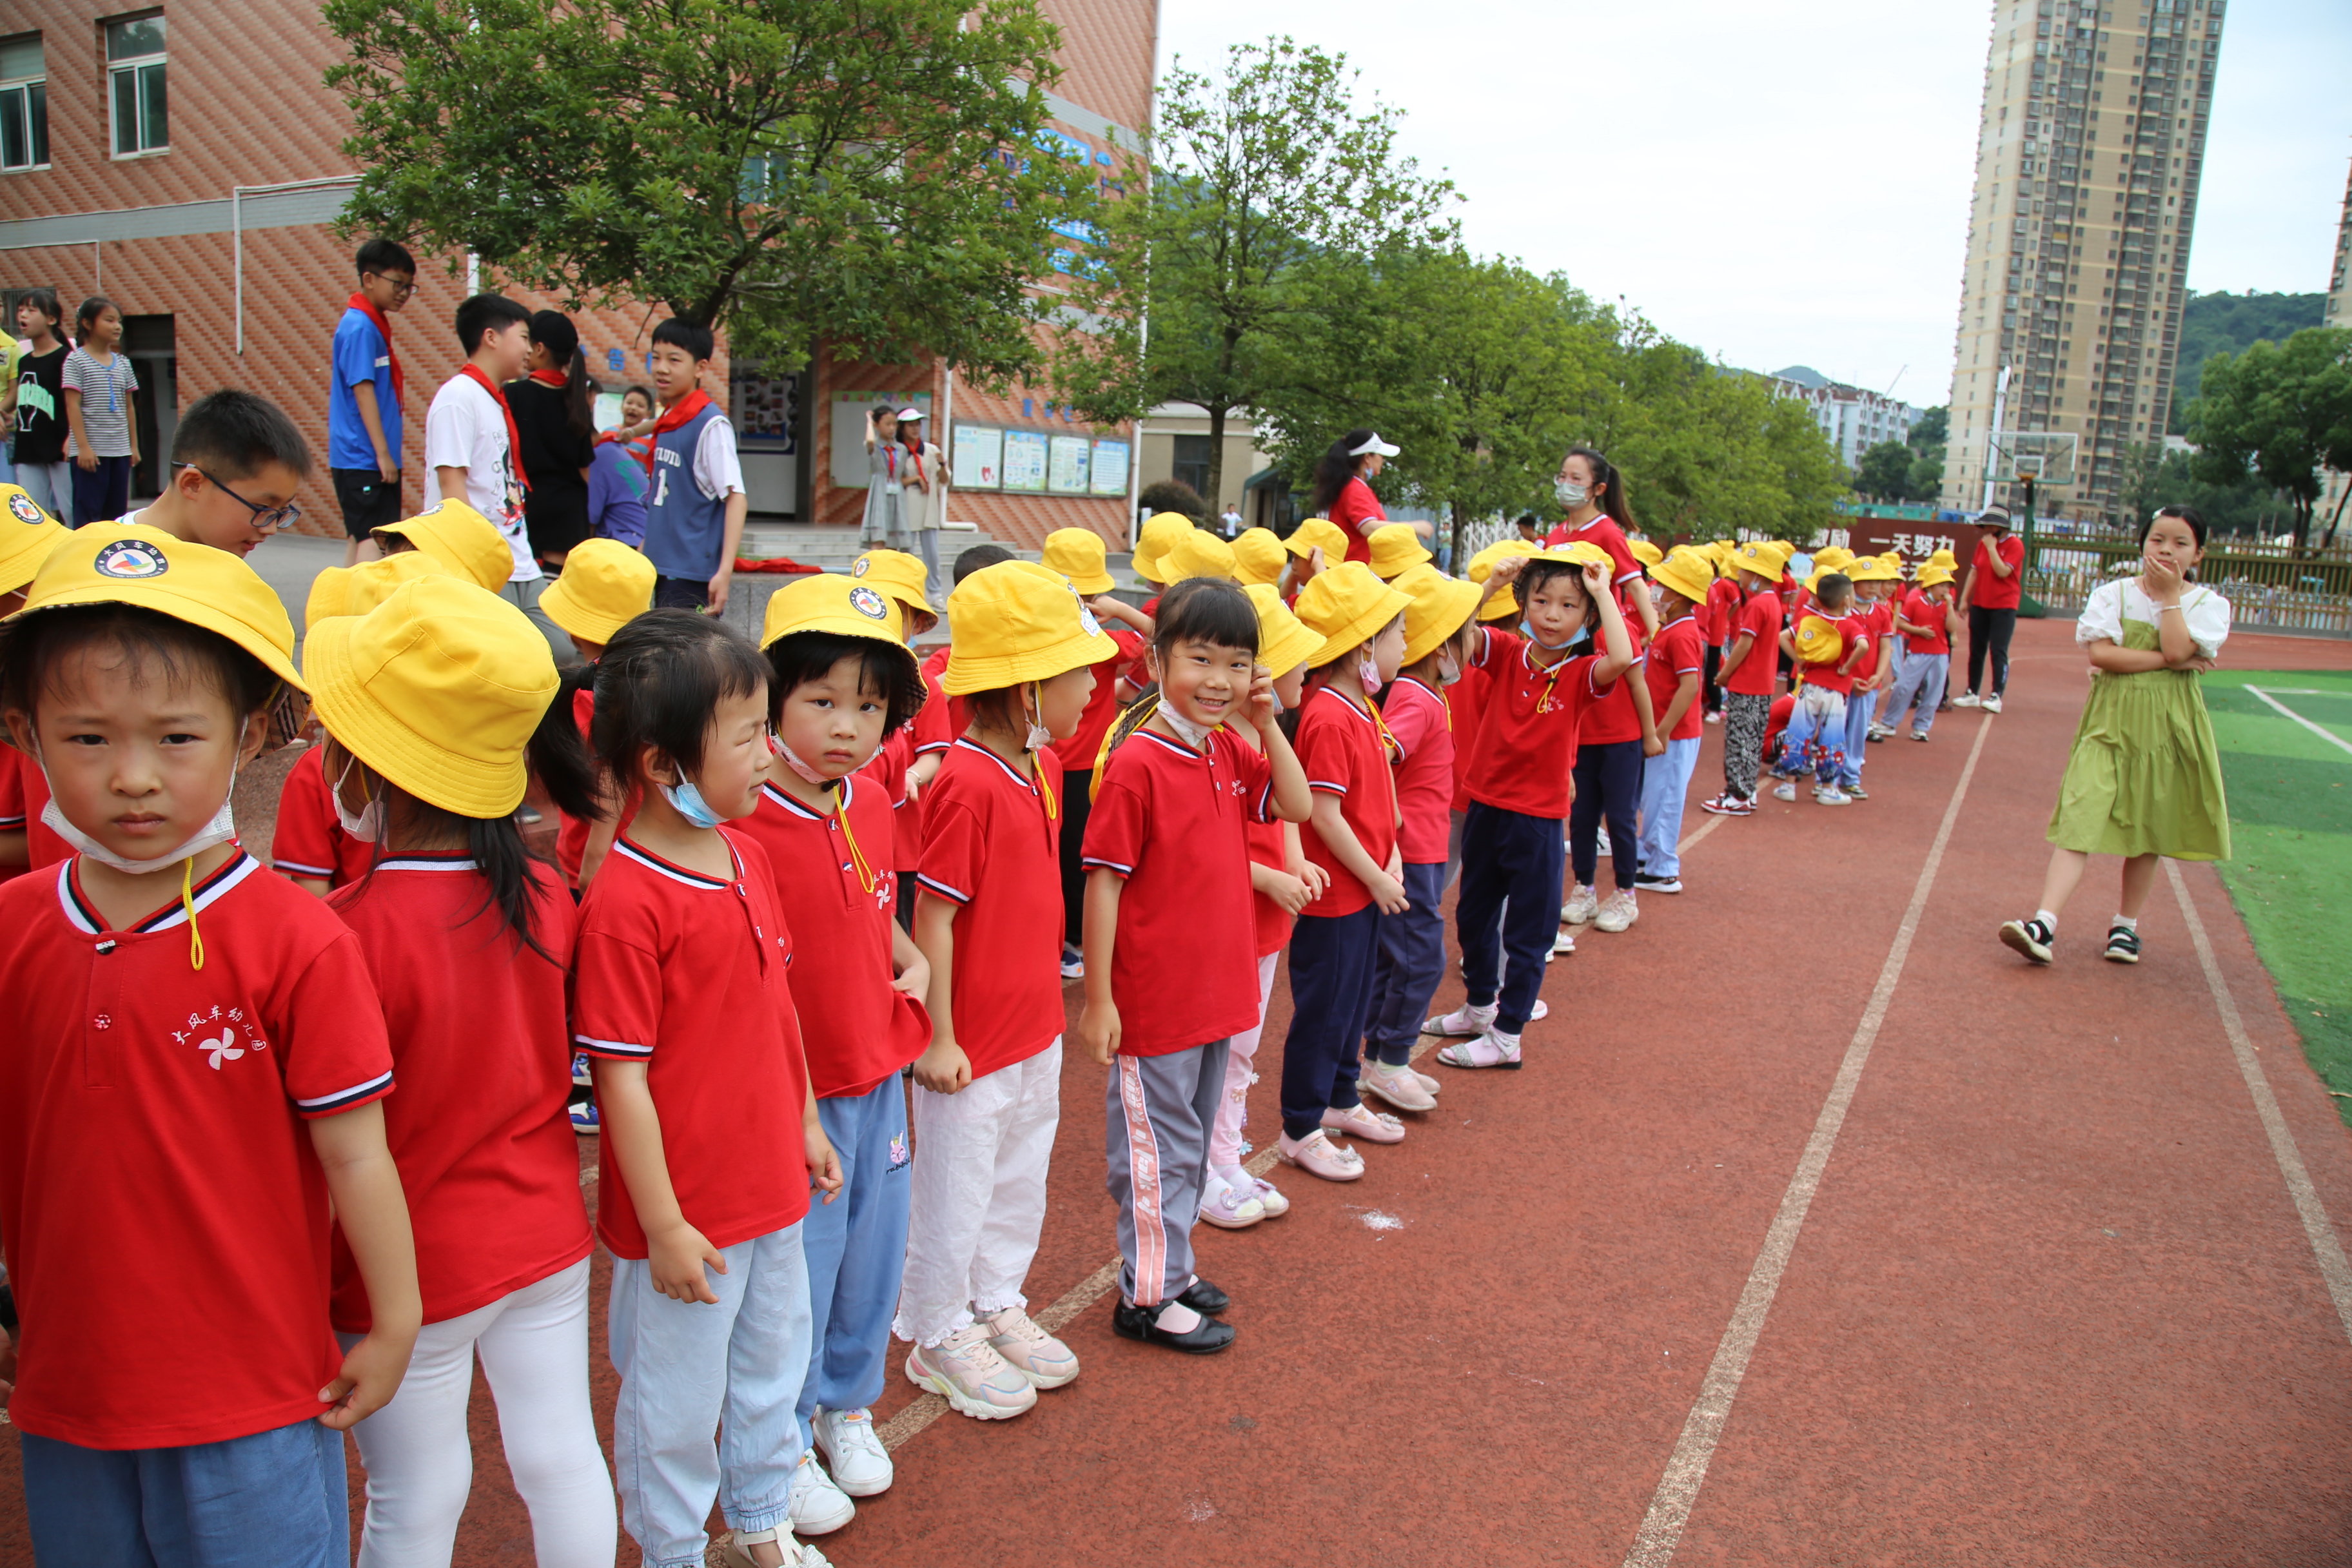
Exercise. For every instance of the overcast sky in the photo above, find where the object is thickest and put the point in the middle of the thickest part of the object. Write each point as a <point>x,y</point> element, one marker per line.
<point>1783,184</point>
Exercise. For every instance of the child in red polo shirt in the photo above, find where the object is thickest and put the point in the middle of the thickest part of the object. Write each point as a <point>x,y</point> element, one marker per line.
<point>1677,671</point>
<point>1512,849</point>
<point>1170,939</point>
<point>1346,750</point>
<point>1826,643</point>
<point>712,1142</point>
<point>1927,621</point>
<point>1751,666</point>
<point>605,587</point>
<point>434,739</point>
<point>989,919</point>
<point>191,1070</point>
<point>845,681</point>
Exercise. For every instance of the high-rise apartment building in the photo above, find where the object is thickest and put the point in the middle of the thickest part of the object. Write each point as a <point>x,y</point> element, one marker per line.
<point>2088,154</point>
<point>2339,272</point>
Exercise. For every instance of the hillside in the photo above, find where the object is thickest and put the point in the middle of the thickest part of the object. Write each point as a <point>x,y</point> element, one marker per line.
<point>2226,323</point>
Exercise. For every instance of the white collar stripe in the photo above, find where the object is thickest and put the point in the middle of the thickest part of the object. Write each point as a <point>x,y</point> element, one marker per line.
<point>1010,771</point>
<point>627,850</point>
<point>209,894</point>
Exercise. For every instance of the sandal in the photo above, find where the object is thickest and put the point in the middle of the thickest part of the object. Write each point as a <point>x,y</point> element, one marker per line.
<point>1484,1052</point>
<point>1361,1121</point>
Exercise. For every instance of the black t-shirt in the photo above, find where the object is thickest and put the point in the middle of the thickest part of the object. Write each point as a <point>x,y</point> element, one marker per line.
<point>41,407</point>
<point>555,508</point>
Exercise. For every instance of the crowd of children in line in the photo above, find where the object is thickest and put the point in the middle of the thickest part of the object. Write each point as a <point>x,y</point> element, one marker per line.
<point>335,1106</point>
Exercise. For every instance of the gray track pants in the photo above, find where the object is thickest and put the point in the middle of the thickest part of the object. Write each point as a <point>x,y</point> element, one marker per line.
<point>1157,1115</point>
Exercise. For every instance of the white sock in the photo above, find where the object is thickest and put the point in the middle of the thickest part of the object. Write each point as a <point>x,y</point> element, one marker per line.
<point>1482,1016</point>
<point>1177,1317</point>
<point>2130,922</point>
<point>1232,1176</point>
<point>1508,1042</point>
<point>2048,919</point>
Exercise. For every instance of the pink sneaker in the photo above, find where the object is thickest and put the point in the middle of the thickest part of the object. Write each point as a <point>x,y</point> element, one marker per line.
<point>1029,1349</point>
<point>965,1369</point>
<point>1361,1121</point>
<point>1317,1156</point>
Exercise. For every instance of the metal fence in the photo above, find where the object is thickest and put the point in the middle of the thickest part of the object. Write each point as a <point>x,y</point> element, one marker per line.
<point>2268,587</point>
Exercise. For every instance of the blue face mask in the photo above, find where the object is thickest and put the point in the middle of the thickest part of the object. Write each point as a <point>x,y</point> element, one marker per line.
<point>688,803</point>
<point>1528,632</point>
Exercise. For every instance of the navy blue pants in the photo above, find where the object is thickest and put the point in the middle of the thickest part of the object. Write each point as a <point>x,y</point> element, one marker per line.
<point>1511,866</point>
<point>1411,963</point>
<point>1608,781</point>
<point>1330,997</point>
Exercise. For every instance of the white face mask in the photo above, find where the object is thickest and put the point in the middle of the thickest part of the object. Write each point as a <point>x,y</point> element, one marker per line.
<point>366,825</point>
<point>1367,674</point>
<point>1449,669</point>
<point>1571,494</point>
<point>219,830</point>
<point>792,761</point>
<point>1194,735</point>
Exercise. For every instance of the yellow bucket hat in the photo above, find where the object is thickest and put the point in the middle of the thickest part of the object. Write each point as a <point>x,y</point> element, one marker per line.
<point>841,606</point>
<point>131,564</point>
<point>1817,640</point>
<point>464,541</point>
<point>1932,573</point>
<point>1161,532</point>
<point>1258,556</point>
<point>1198,554</point>
<point>1016,621</point>
<point>1874,569</point>
<point>1077,553</point>
<point>902,576</point>
<point>1687,572</point>
<point>1765,558</point>
<point>1396,548</point>
<point>1945,559</point>
<point>356,590</point>
<point>1441,606</point>
<point>1832,558</point>
<point>1284,642</point>
<point>1647,553</point>
<point>28,534</point>
<point>438,688</point>
<point>1319,533</point>
<point>605,587</point>
<point>1503,604</point>
<point>1346,605</point>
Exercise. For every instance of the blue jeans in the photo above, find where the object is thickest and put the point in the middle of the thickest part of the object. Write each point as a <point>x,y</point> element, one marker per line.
<point>1511,866</point>
<point>1918,677</point>
<point>273,1499</point>
<point>1411,963</point>
<point>1859,709</point>
<point>1608,780</point>
<point>1666,782</point>
<point>856,1251</point>
<point>1815,737</point>
<point>1330,997</point>
<point>687,1367</point>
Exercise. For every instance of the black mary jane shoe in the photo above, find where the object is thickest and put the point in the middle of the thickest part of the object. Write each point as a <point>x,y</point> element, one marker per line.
<point>1206,1337</point>
<point>1206,1299</point>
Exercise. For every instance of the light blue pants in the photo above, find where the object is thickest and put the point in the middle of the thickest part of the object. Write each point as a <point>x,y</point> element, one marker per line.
<point>271,1500</point>
<point>856,1249</point>
<point>51,486</point>
<point>1665,782</point>
<point>1918,677</point>
<point>1860,709</point>
<point>1815,737</point>
<point>687,1367</point>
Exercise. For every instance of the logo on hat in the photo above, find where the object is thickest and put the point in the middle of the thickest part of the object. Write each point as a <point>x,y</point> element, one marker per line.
<point>859,567</point>
<point>22,509</point>
<point>868,602</point>
<point>131,558</point>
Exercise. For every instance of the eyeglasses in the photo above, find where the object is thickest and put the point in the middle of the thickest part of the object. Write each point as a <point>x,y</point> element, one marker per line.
<point>399,287</point>
<point>267,519</point>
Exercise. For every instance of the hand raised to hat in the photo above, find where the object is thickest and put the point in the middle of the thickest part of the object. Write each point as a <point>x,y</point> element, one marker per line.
<point>1507,569</point>
<point>1596,577</point>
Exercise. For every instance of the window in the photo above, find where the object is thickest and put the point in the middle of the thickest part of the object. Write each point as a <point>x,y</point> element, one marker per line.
<point>134,75</point>
<point>23,104</point>
<point>1192,463</point>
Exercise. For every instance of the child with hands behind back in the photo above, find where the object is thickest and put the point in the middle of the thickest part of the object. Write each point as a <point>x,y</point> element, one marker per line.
<point>712,1140</point>
<point>1170,939</point>
<point>192,1066</point>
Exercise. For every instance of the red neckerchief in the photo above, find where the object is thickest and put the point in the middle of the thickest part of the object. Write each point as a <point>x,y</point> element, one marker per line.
<point>686,408</point>
<point>915,455</point>
<point>366,307</point>
<point>514,437</point>
<point>555,378</point>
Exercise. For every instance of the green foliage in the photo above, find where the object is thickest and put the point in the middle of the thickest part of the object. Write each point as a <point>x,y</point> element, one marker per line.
<point>2228,323</point>
<point>865,169</point>
<point>1925,481</point>
<point>1930,431</point>
<point>2154,477</point>
<point>1885,472</point>
<point>2278,412</point>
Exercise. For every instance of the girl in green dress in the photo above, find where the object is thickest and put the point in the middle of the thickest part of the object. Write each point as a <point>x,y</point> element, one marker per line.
<point>2145,778</point>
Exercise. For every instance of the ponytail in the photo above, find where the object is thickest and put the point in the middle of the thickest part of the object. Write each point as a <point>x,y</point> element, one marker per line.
<point>579,399</point>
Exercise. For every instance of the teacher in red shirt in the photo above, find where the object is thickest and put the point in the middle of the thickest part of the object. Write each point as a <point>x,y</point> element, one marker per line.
<point>1343,494</point>
<point>1996,584</point>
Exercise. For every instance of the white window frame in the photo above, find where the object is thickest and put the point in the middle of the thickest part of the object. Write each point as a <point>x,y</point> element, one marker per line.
<point>24,84</point>
<point>133,66</point>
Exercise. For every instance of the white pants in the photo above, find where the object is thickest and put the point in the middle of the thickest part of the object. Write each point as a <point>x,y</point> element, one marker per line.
<point>1241,1071</point>
<point>977,1201</point>
<point>419,1453</point>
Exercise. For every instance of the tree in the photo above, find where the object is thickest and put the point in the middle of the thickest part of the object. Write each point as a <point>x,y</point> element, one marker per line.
<point>868,169</point>
<point>2154,477</point>
<point>2226,323</point>
<point>1932,430</point>
<point>1885,472</point>
<point>1923,481</point>
<point>2278,411</point>
<point>1254,176</point>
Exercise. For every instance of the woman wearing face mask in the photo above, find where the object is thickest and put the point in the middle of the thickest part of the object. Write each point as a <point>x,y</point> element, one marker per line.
<point>1342,494</point>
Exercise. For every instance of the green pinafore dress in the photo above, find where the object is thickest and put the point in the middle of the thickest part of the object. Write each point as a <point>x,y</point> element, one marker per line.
<point>2145,777</point>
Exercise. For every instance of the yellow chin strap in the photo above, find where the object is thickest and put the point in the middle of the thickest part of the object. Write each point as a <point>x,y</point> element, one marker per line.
<point>188,908</point>
<point>859,863</point>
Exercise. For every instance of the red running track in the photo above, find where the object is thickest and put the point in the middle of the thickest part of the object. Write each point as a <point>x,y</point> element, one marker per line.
<point>2052,1299</point>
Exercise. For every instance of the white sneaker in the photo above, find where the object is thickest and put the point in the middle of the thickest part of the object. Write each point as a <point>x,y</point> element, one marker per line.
<point>1602,839</point>
<point>1968,700</point>
<point>1563,944</point>
<point>735,1551</point>
<point>1618,912</point>
<point>816,1505</point>
<point>1581,906</point>
<point>1993,703</point>
<point>1834,797</point>
<point>1785,790</point>
<point>853,1451</point>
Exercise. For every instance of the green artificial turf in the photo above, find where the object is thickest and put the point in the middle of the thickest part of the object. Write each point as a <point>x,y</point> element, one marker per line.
<point>2291,831</point>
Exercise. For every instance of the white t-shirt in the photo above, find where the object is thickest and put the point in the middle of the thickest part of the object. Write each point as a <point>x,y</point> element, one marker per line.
<point>2110,604</point>
<point>718,471</point>
<point>465,429</point>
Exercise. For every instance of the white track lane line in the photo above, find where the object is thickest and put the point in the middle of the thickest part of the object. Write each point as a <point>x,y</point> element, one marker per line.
<point>929,1407</point>
<point>2316,1227</point>
<point>2328,735</point>
<point>1686,1472</point>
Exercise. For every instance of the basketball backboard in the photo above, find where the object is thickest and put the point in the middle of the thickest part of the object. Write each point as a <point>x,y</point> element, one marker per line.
<point>2046,457</point>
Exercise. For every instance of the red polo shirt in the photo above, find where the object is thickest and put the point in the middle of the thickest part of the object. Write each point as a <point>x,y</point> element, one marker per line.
<point>1922,611</point>
<point>1613,719</point>
<point>1078,753</point>
<point>166,1218</point>
<point>1172,824</point>
<point>932,731</point>
<point>1527,732</point>
<point>1603,531</point>
<point>1268,848</point>
<point>477,1024</point>
<point>685,974</point>
<point>1992,592</point>
<point>1875,620</point>
<point>1760,618</point>
<point>993,851</point>
<point>1350,509</point>
<point>1723,601</point>
<point>310,840</point>
<point>24,795</point>
<point>1465,699</point>
<point>1341,749</point>
<point>1418,719</point>
<point>1677,652</point>
<point>839,895</point>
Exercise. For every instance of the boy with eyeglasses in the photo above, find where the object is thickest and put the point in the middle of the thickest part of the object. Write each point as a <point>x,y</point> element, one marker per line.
<point>364,388</point>
<point>237,463</point>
